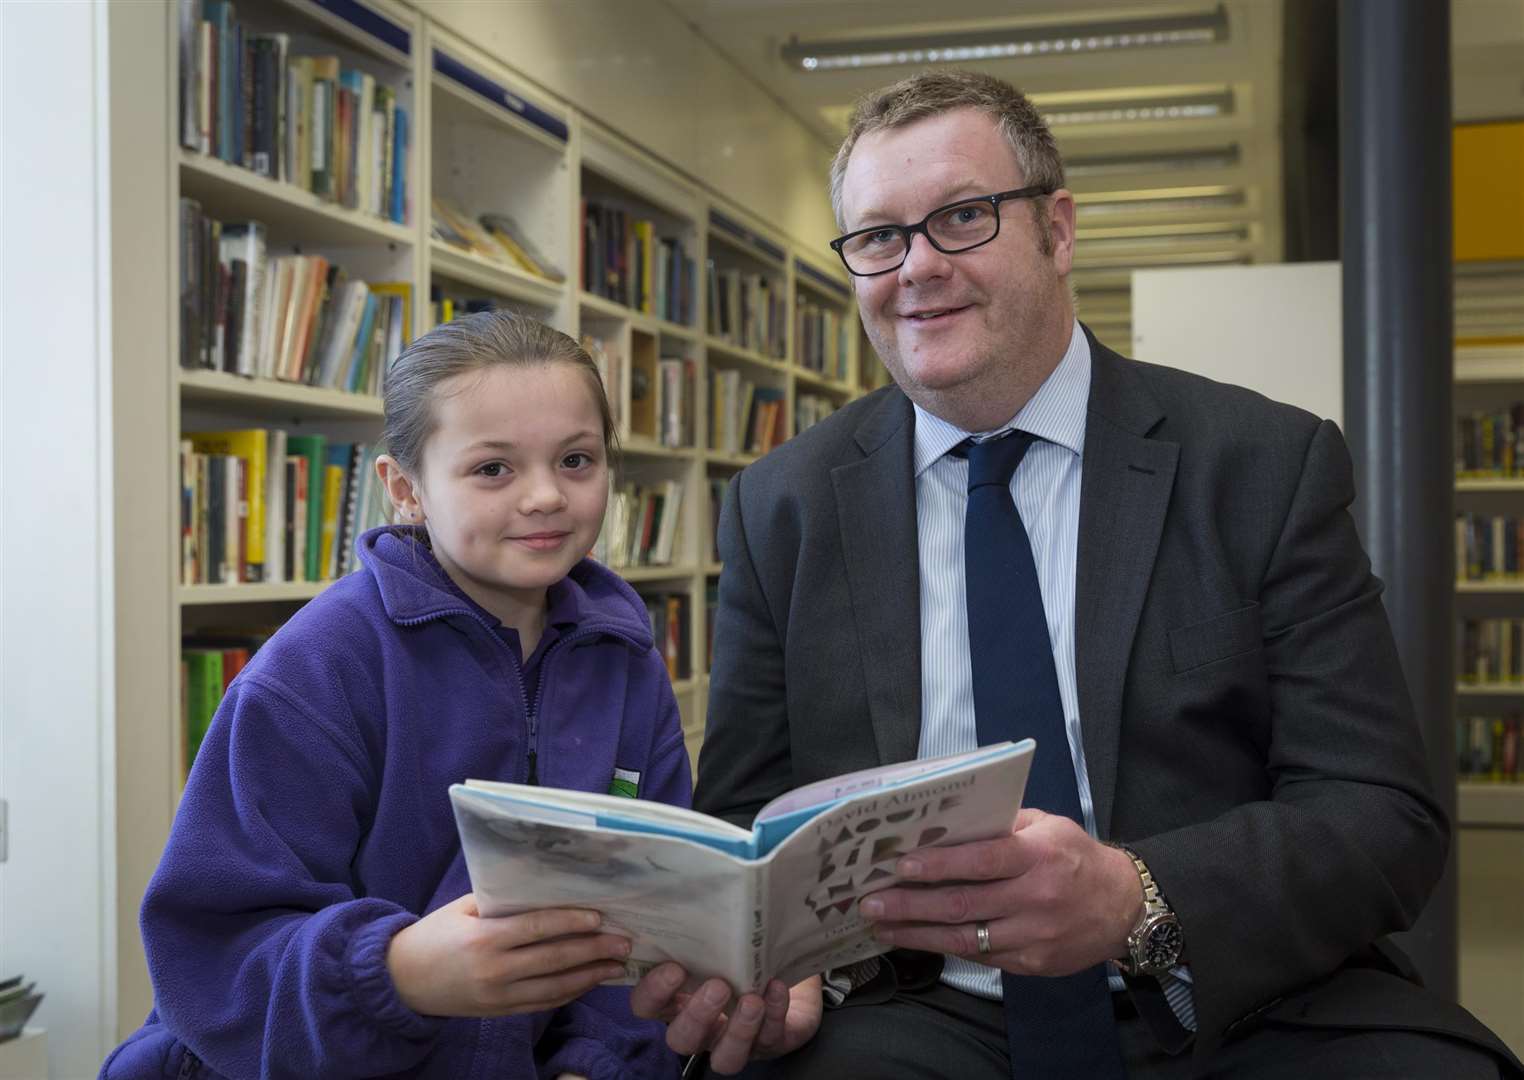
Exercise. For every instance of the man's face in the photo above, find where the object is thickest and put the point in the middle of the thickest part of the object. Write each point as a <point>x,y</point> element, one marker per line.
<point>952,327</point>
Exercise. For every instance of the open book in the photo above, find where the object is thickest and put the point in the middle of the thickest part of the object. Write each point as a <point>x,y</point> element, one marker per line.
<point>777,901</point>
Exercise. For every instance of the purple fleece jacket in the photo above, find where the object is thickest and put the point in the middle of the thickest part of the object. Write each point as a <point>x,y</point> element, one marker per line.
<point>316,824</point>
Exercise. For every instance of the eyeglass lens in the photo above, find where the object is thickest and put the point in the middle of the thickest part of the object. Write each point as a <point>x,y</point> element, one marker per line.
<point>954,229</point>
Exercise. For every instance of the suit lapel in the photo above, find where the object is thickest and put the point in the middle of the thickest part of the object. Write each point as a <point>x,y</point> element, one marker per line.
<point>1124,493</point>
<point>875,504</point>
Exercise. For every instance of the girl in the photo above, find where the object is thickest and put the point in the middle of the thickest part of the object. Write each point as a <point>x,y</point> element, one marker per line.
<point>283,926</point>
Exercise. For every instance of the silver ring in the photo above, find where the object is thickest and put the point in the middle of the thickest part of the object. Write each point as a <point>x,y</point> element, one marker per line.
<point>982,932</point>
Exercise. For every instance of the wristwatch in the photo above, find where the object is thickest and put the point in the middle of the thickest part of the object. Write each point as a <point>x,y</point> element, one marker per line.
<point>1156,943</point>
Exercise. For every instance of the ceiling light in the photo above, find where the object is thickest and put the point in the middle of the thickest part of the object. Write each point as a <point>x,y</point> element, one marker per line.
<point>1109,203</point>
<point>1005,42</point>
<point>1207,157</point>
<point>1194,231</point>
<point>1130,109</point>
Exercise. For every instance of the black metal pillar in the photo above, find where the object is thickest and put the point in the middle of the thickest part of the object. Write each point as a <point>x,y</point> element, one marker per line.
<point>1394,109</point>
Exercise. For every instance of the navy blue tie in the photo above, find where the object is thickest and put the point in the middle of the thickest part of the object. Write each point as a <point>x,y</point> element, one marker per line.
<point>1056,1027</point>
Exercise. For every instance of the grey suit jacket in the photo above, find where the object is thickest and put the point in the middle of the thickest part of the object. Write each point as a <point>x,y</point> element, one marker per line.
<point>1246,724</point>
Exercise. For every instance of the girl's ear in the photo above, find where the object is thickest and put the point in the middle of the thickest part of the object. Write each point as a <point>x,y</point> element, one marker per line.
<point>400,489</point>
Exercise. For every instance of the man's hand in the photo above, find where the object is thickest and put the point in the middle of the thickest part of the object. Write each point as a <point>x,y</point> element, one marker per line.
<point>778,1022</point>
<point>453,962</point>
<point>1055,900</point>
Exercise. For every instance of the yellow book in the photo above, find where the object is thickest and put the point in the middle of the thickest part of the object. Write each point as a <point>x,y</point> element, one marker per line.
<point>646,231</point>
<point>333,497</point>
<point>403,289</point>
<point>252,445</point>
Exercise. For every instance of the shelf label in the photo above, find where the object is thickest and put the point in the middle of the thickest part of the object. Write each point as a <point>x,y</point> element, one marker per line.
<point>822,279</point>
<point>500,96</point>
<point>745,235</point>
<point>372,22</point>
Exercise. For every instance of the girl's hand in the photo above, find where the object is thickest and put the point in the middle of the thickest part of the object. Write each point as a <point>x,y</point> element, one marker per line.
<point>453,962</point>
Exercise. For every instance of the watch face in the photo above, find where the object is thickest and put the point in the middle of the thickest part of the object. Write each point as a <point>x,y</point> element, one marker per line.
<point>1163,946</point>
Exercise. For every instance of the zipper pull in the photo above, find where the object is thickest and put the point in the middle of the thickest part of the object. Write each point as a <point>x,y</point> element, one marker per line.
<point>534,775</point>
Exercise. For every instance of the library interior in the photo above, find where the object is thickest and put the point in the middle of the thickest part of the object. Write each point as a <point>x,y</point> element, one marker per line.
<point>225,220</point>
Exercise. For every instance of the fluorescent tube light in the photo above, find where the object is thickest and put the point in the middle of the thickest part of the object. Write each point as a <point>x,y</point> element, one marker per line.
<point>1208,157</point>
<point>1007,42</point>
<point>1096,204</point>
<point>1127,110</point>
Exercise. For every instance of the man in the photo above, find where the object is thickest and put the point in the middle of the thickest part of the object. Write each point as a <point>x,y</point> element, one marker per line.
<point>1157,570</point>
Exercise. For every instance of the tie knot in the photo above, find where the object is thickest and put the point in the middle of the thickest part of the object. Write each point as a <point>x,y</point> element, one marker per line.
<point>994,461</point>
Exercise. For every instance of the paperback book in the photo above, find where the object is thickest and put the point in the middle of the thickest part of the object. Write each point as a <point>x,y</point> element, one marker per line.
<point>776,901</point>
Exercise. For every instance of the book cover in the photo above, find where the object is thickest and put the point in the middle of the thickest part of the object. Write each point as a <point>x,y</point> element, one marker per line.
<point>275,565</point>
<point>203,694</point>
<point>333,504</point>
<point>776,901</point>
<point>325,80</point>
<point>312,448</point>
<point>252,446</point>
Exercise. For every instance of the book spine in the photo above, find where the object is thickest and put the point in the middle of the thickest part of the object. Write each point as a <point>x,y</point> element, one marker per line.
<point>333,497</point>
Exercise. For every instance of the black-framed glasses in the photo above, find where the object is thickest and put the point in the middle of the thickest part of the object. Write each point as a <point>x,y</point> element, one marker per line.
<point>951,229</point>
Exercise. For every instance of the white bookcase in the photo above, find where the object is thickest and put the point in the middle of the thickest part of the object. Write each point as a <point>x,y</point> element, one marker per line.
<point>489,142</point>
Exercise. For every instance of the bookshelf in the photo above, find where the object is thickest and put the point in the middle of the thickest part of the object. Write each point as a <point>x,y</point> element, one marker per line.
<point>1489,586</point>
<point>485,141</point>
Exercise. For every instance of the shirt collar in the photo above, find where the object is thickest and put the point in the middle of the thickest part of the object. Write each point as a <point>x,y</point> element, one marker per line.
<point>1056,413</point>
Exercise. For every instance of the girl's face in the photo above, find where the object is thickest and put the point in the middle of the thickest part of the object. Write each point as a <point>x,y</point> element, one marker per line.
<point>514,482</point>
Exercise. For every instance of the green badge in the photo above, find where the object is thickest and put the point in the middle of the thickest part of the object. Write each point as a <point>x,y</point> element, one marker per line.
<point>626,783</point>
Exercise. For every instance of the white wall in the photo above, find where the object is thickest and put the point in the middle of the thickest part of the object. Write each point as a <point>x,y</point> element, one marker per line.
<point>1276,329</point>
<point>639,69</point>
<point>56,720</point>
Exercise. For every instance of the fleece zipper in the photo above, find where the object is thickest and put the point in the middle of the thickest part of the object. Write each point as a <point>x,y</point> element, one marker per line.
<point>531,709</point>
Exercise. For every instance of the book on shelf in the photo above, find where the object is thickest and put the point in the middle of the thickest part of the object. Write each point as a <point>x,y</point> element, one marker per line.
<point>251,447</point>
<point>767,420</point>
<point>209,661</point>
<point>339,132</point>
<point>778,900</point>
<point>730,394</point>
<point>1488,547</point>
<point>493,235</point>
<point>296,318</point>
<point>675,379</point>
<point>810,409</point>
<point>671,629</point>
<point>748,310</point>
<point>609,361</point>
<point>1490,445</point>
<point>1491,652</point>
<point>625,259</point>
<point>506,232</point>
<point>268,505</point>
<point>820,339</point>
<point>643,525</point>
<point>719,491</point>
<point>1487,747</point>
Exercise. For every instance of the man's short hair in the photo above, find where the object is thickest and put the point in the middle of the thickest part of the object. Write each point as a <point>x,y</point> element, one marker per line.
<point>931,93</point>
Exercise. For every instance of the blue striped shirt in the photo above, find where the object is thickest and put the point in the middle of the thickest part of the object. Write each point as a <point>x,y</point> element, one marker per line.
<point>1046,488</point>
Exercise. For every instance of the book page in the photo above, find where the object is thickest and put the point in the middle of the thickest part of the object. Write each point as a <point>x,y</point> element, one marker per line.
<point>614,811</point>
<point>817,875</point>
<point>675,899</point>
<point>779,818</point>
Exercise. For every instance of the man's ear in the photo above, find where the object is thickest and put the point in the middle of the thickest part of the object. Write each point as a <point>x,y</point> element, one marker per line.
<point>1061,229</point>
<point>401,490</point>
